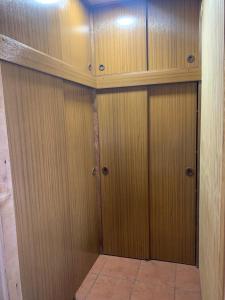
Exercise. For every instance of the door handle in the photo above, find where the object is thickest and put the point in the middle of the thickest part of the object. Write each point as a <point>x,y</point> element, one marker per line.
<point>105,171</point>
<point>189,172</point>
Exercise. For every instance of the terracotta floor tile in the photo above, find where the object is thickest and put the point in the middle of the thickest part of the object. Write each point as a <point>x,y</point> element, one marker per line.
<point>115,278</point>
<point>142,291</point>
<point>187,278</point>
<point>187,295</point>
<point>99,264</point>
<point>155,272</point>
<point>110,288</point>
<point>124,268</point>
<point>86,286</point>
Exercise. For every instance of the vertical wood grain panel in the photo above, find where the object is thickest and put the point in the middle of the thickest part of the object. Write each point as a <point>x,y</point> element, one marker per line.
<point>120,37</point>
<point>59,29</point>
<point>124,150</point>
<point>32,23</point>
<point>75,35</point>
<point>173,125</point>
<point>82,184</point>
<point>51,139</point>
<point>173,33</point>
<point>212,163</point>
<point>35,119</point>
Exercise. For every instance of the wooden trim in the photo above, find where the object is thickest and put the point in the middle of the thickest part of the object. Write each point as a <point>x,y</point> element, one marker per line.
<point>98,170</point>
<point>198,169</point>
<point>15,52</point>
<point>148,78</point>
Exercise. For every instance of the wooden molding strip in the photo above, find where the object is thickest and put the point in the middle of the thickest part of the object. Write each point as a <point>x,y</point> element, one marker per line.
<point>15,52</point>
<point>148,78</point>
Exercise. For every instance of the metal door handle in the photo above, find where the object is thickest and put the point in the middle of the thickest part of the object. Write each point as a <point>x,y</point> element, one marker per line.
<point>105,171</point>
<point>189,172</point>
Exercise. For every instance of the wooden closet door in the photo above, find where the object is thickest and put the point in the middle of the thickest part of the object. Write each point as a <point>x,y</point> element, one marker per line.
<point>173,125</point>
<point>124,151</point>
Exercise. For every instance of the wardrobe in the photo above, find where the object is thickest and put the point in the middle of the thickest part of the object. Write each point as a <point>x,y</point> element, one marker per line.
<point>148,134</point>
<point>110,143</point>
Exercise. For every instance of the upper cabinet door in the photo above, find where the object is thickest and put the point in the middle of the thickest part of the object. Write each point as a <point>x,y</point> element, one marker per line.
<point>120,38</point>
<point>173,34</point>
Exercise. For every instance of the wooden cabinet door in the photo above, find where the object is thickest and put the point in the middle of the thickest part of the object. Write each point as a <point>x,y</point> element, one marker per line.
<point>173,125</point>
<point>120,38</point>
<point>124,152</point>
<point>173,34</point>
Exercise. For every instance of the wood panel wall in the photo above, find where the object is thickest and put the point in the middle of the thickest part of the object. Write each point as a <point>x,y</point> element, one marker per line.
<point>82,183</point>
<point>57,235</point>
<point>60,30</point>
<point>34,109</point>
<point>212,155</point>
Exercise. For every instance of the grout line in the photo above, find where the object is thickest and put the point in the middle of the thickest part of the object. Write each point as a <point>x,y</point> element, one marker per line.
<point>103,265</point>
<point>175,281</point>
<point>120,277</point>
<point>135,281</point>
<point>91,287</point>
<point>106,258</point>
<point>94,282</point>
<point>117,277</point>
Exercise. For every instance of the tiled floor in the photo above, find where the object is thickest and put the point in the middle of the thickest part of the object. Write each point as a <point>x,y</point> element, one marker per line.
<point>115,278</point>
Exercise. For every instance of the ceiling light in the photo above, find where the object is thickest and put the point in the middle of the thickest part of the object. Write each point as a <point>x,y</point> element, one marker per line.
<point>126,21</point>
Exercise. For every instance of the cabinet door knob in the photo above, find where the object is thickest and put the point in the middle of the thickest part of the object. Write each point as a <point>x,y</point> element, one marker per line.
<point>189,172</point>
<point>191,59</point>
<point>105,171</point>
<point>101,68</point>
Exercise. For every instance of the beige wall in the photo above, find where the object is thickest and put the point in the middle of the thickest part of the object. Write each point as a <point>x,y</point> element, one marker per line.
<point>212,153</point>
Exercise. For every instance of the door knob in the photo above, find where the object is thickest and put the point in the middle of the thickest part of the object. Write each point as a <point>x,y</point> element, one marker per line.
<point>105,171</point>
<point>189,172</point>
<point>101,68</point>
